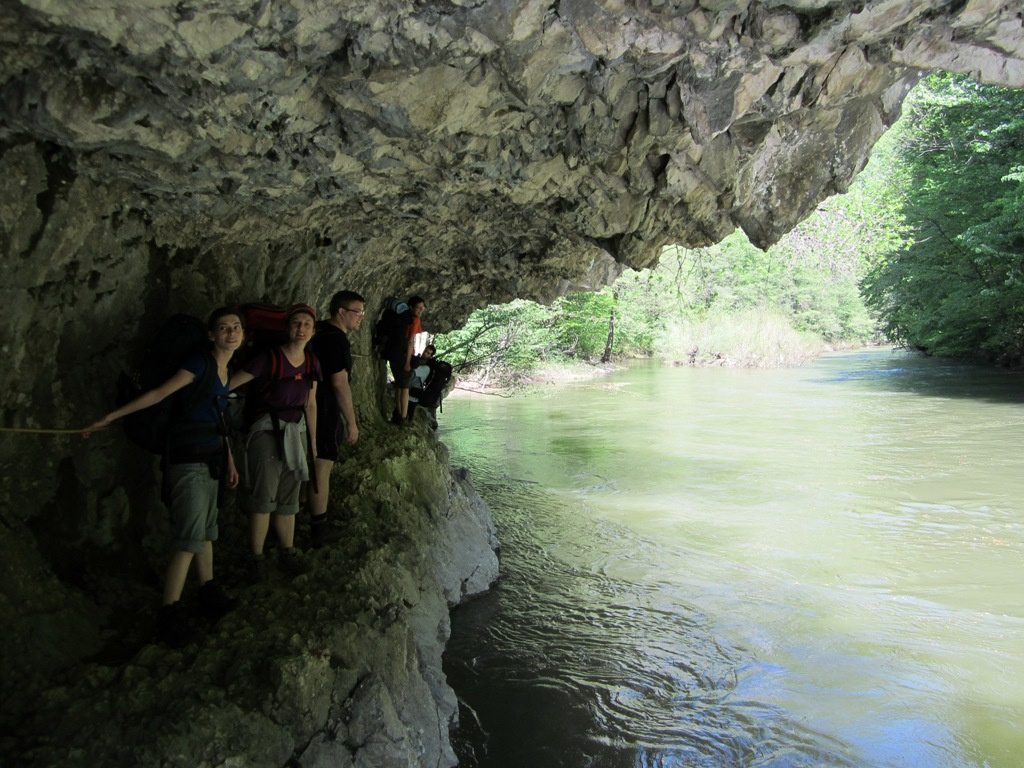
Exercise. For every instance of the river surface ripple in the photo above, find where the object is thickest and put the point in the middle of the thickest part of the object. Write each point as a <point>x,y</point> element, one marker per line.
<point>819,566</point>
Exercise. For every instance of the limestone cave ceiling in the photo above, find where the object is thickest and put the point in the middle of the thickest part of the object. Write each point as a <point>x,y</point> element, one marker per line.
<point>518,148</point>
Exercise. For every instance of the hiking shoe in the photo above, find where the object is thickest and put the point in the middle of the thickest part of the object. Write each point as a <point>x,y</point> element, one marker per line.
<point>292,563</point>
<point>396,419</point>
<point>259,568</point>
<point>213,603</point>
<point>172,626</point>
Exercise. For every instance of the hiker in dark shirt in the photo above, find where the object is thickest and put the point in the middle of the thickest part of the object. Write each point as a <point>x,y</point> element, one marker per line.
<point>279,447</point>
<point>335,413</point>
<point>198,458</point>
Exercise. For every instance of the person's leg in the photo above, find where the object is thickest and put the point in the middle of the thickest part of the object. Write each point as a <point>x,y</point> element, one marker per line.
<point>398,404</point>
<point>318,532</point>
<point>403,402</point>
<point>177,573</point>
<point>284,524</point>
<point>264,469</point>
<point>213,603</point>
<point>284,527</point>
<point>204,563</point>
<point>259,524</point>
<point>189,502</point>
<point>398,375</point>
<point>318,498</point>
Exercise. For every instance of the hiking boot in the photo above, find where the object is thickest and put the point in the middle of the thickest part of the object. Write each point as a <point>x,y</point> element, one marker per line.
<point>259,568</point>
<point>292,563</point>
<point>321,534</point>
<point>396,418</point>
<point>213,603</point>
<point>172,626</point>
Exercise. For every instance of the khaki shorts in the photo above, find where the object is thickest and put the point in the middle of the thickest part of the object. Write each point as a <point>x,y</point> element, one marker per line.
<point>193,506</point>
<point>272,487</point>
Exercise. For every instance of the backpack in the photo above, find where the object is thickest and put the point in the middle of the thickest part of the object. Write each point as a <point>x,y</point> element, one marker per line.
<point>389,331</point>
<point>265,329</point>
<point>178,339</point>
<point>434,386</point>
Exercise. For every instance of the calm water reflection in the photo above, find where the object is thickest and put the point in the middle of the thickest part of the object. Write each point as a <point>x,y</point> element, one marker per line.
<point>806,567</point>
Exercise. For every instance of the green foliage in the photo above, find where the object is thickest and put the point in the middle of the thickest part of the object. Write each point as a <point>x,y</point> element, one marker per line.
<point>750,338</point>
<point>955,288</point>
<point>502,342</point>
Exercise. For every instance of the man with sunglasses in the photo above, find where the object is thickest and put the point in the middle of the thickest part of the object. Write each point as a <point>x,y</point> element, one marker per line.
<point>336,420</point>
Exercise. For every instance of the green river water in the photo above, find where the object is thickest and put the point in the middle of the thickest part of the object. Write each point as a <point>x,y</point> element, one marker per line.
<point>711,567</point>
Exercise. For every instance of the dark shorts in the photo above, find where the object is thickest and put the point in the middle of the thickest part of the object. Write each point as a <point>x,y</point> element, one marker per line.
<point>402,377</point>
<point>328,441</point>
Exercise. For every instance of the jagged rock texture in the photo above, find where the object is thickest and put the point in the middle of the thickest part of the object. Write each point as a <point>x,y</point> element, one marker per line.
<point>500,148</point>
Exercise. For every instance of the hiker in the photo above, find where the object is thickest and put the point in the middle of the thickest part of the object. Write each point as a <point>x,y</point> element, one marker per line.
<point>197,459</point>
<point>401,361</point>
<point>279,449</point>
<point>335,413</point>
<point>430,383</point>
<point>421,371</point>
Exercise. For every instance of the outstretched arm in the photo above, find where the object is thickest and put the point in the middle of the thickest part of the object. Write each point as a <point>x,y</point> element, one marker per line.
<point>238,378</point>
<point>182,378</point>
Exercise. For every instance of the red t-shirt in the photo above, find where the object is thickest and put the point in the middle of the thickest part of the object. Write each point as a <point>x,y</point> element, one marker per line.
<point>413,328</point>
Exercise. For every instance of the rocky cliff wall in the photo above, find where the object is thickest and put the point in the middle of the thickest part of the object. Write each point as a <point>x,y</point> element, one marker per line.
<point>175,155</point>
<point>337,667</point>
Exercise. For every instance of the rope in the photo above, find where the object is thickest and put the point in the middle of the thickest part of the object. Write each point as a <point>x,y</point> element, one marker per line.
<point>38,431</point>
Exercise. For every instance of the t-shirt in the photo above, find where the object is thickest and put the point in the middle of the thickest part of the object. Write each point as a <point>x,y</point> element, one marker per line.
<point>332,348</point>
<point>413,329</point>
<point>198,426</point>
<point>285,395</point>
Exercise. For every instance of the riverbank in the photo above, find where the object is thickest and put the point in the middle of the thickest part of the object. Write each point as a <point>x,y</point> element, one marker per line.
<point>567,372</point>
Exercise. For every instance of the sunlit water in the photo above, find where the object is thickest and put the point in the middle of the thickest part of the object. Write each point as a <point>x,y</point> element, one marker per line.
<point>820,566</point>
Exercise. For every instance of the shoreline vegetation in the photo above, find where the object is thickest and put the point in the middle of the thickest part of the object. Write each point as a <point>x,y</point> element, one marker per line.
<point>723,347</point>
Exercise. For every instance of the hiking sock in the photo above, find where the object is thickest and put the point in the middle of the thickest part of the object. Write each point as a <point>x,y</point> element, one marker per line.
<point>213,603</point>
<point>172,626</point>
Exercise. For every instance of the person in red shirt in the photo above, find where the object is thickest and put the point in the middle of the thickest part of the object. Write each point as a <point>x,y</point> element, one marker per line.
<point>401,366</point>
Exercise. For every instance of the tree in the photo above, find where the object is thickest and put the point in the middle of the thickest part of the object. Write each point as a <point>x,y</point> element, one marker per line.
<point>956,287</point>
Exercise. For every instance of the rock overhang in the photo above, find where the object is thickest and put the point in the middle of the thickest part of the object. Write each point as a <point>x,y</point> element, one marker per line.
<point>478,150</point>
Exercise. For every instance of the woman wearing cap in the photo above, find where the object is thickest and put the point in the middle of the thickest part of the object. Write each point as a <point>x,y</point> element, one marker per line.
<point>278,449</point>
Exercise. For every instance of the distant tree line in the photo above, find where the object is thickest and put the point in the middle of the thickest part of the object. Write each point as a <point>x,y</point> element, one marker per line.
<point>926,250</point>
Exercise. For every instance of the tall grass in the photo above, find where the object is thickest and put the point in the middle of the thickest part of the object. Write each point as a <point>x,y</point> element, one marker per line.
<point>751,339</point>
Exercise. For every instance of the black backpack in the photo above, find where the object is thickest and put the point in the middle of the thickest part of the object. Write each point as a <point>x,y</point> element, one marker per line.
<point>178,339</point>
<point>389,331</point>
<point>440,375</point>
